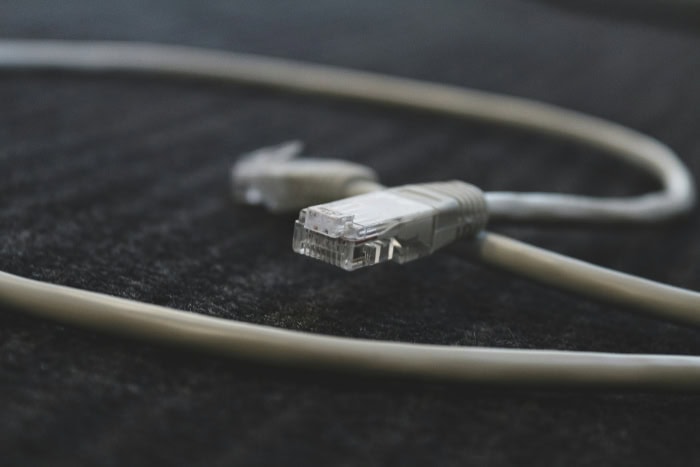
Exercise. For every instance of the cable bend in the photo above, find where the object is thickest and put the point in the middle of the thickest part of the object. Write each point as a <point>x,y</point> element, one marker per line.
<point>677,195</point>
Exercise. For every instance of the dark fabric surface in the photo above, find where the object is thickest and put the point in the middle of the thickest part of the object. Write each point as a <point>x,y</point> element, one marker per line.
<point>119,185</point>
<point>671,13</point>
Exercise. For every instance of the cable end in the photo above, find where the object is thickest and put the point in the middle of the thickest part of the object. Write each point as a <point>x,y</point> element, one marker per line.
<point>399,224</point>
<point>276,178</point>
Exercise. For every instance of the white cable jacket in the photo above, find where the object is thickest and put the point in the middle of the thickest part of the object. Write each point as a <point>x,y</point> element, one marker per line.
<point>641,295</point>
<point>492,366</point>
<point>677,195</point>
<point>467,364</point>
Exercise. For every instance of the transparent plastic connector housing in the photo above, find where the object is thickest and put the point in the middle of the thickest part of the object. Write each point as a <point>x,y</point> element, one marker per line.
<point>398,224</point>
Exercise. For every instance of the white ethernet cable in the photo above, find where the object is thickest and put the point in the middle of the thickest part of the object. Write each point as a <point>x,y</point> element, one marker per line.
<point>413,221</point>
<point>405,223</point>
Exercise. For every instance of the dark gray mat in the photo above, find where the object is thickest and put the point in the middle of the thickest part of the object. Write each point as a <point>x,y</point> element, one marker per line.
<point>119,185</point>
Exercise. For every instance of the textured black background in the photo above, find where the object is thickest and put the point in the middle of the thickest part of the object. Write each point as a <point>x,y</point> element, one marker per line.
<point>119,185</point>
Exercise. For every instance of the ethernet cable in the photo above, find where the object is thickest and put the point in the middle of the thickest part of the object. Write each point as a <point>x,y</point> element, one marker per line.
<point>373,224</point>
<point>352,221</point>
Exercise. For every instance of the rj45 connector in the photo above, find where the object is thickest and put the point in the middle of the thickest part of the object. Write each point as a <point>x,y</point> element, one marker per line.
<point>398,224</point>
